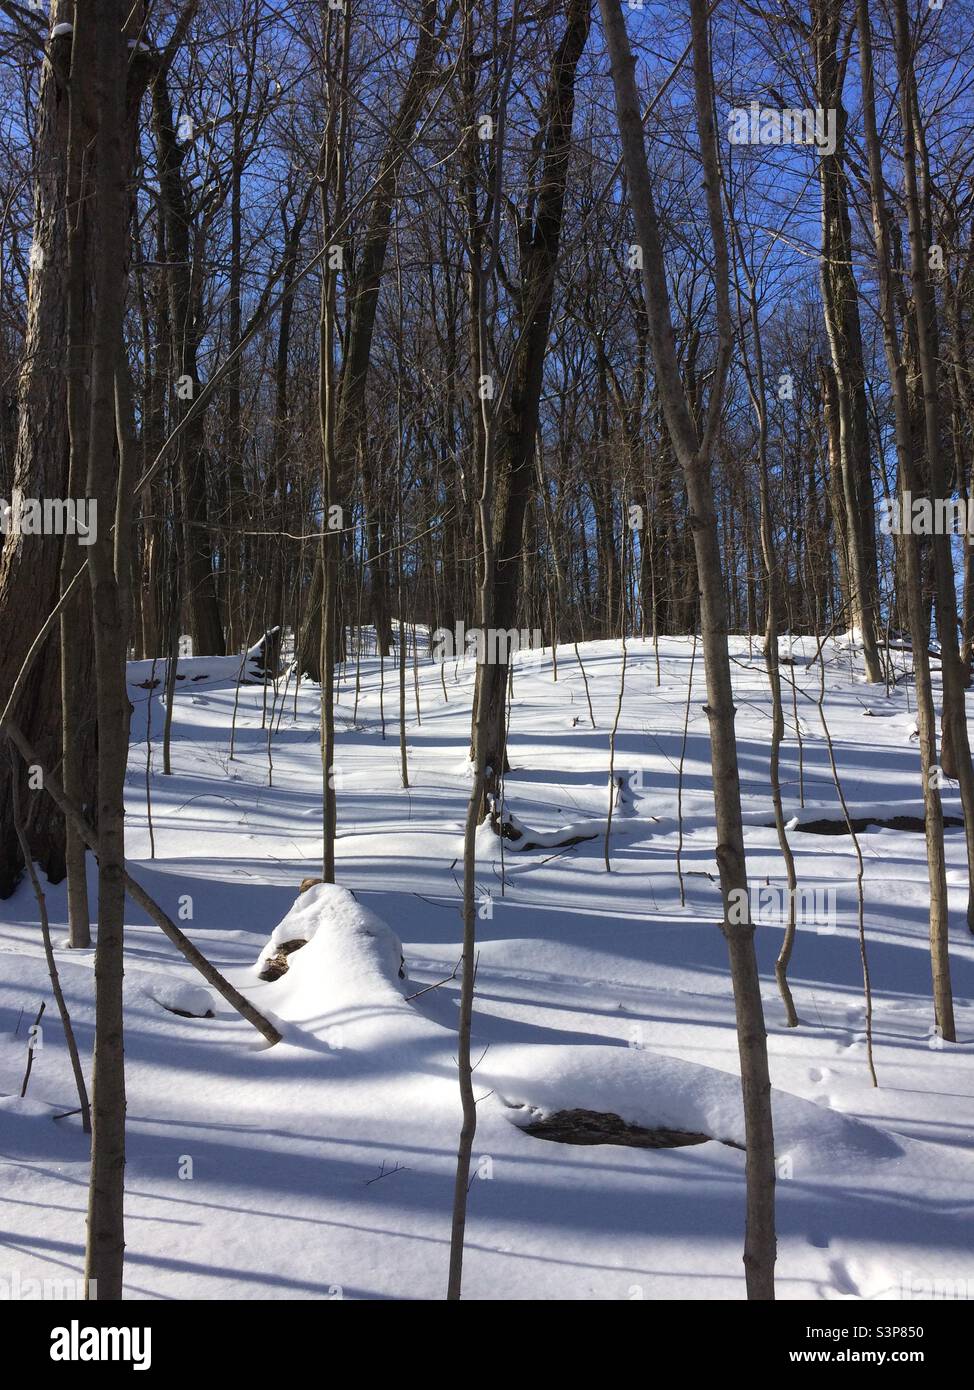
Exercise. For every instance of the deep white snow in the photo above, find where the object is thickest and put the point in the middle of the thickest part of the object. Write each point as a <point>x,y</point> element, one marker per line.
<point>323,1167</point>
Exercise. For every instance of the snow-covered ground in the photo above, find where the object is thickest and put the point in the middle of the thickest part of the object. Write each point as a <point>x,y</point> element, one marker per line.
<point>323,1167</point>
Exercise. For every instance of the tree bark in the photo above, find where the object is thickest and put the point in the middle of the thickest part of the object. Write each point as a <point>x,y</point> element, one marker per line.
<point>198,578</point>
<point>30,565</point>
<point>840,298</point>
<point>695,451</point>
<point>364,299</point>
<point>955,749</point>
<point>99,73</point>
<point>920,627</point>
<point>517,428</point>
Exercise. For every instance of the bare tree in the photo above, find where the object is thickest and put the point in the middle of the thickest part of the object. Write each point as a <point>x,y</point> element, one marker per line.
<point>695,448</point>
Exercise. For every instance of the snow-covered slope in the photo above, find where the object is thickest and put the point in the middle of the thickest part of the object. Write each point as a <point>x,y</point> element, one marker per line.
<point>323,1167</point>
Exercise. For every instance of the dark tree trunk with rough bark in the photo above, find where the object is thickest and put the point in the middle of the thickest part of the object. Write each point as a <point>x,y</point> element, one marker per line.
<point>840,298</point>
<point>364,298</point>
<point>514,466</point>
<point>30,565</point>
<point>198,577</point>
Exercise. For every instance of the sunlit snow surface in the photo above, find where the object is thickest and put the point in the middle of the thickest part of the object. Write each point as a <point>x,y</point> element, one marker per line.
<point>323,1167</point>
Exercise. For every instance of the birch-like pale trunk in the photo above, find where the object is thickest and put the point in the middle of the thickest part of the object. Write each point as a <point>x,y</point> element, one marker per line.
<point>695,451</point>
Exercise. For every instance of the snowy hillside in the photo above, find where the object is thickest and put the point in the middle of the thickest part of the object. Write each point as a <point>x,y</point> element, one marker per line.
<point>323,1167</point>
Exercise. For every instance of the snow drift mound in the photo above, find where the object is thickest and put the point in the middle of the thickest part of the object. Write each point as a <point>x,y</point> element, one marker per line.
<point>183,997</point>
<point>345,985</point>
<point>363,956</point>
<point>349,972</point>
<point>655,1092</point>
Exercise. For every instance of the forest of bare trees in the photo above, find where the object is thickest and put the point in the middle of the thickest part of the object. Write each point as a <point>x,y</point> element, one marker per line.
<point>334,325</point>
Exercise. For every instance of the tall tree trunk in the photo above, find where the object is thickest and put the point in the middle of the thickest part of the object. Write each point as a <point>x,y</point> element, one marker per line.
<point>926,718</point>
<point>695,452</point>
<point>840,297</point>
<point>99,72</point>
<point>363,295</point>
<point>199,581</point>
<point>513,478</point>
<point>30,565</point>
<point>955,750</point>
<point>76,672</point>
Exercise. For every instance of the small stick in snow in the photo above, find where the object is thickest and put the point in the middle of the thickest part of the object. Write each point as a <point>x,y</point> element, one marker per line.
<point>30,1051</point>
<point>62,1007</point>
<point>445,981</point>
<point>387,1173</point>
